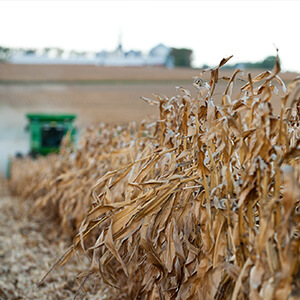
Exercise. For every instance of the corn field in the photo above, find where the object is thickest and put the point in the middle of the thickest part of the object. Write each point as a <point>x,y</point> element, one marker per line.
<point>203,203</point>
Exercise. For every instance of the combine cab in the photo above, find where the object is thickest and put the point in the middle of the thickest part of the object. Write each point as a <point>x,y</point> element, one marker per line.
<point>47,131</point>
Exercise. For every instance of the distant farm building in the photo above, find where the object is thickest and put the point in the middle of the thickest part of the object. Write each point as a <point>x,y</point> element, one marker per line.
<point>158,56</point>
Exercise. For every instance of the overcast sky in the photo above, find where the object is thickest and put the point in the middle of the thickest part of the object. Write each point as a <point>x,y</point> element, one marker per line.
<point>250,30</point>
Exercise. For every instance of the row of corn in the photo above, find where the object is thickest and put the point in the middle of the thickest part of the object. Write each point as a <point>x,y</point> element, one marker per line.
<point>202,203</point>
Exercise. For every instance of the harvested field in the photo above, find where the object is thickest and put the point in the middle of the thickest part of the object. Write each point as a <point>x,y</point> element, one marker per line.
<point>96,94</point>
<point>69,73</point>
<point>28,247</point>
<point>83,73</point>
<point>202,203</point>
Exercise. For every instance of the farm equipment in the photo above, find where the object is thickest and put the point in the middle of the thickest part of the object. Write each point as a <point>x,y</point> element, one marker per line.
<point>46,133</point>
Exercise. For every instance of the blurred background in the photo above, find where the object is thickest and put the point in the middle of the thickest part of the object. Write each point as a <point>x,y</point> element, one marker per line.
<point>96,59</point>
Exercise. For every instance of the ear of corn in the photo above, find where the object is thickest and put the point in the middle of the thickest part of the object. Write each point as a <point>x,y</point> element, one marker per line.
<point>203,203</point>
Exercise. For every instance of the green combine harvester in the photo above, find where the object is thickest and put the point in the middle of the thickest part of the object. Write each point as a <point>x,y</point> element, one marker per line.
<point>46,133</point>
<point>48,130</point>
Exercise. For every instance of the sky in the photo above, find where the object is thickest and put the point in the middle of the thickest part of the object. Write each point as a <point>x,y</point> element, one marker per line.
<point>249,30</point>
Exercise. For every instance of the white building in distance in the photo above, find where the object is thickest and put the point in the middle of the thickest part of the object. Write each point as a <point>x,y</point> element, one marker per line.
<point>157,56</point>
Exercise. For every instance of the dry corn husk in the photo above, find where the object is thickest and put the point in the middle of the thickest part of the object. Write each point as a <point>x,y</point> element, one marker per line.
<point>202,204</point>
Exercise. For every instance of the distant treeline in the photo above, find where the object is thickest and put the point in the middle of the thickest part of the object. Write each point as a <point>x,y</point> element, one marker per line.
<point>4,53</point>
<point>182,57</point>
<point>267,63</point>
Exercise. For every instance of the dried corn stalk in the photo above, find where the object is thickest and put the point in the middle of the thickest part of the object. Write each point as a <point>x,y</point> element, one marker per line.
<point>61,184</point>
<point>205,206</point>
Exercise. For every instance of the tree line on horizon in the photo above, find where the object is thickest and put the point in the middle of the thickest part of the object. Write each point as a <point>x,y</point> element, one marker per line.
<point>267,63</point>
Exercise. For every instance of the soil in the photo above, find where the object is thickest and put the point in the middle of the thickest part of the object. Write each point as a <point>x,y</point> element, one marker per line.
<point>28,248</point>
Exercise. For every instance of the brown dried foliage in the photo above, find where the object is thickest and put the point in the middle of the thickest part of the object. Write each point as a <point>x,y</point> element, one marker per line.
<point>61,184</point>
<point>202,204</point>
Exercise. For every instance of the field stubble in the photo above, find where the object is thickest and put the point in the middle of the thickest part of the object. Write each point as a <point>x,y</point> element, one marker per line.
<point>96,94</point>
<point>28,247</point>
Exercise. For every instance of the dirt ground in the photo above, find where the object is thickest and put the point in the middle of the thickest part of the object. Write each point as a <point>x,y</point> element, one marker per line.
<point>46,73</point>
<point>28,248</point>
<point>94,93</point>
